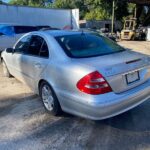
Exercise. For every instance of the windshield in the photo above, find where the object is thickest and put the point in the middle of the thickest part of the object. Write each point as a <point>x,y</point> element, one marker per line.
<point>87,45</point>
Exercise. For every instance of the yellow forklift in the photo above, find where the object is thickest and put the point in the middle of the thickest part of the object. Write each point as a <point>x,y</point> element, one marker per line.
<point>133,30</point>
<point>129,30</point>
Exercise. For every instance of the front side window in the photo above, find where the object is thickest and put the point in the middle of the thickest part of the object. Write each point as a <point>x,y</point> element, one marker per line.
<point>33,46</point>
<point>23,45</point>
<point>87,45</point>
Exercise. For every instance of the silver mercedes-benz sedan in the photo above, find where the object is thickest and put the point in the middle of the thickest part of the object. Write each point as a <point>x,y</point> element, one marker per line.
<point>78,72</point>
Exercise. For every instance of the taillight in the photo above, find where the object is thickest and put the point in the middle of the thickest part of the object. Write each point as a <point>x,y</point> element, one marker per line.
<point>94,83</point>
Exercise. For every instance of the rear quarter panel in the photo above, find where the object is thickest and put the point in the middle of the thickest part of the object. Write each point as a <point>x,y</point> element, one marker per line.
<point>63,77</point>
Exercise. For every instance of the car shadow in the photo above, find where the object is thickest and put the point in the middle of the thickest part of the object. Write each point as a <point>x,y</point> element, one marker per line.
<point>135,120</point>
<point>8,104</point>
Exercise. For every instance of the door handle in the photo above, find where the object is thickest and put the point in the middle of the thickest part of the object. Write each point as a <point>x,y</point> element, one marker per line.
<point>38,65</point>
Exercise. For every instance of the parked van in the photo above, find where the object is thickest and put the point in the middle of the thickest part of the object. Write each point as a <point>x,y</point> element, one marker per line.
<point>10,33</point>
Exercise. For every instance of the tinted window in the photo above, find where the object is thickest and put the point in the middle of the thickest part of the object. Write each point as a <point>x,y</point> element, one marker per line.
<point>44,50</point>
<point>7,30</point>
<point>1,34</point>
<point>42,27</point>
<point>23,45</point>
<point>35,45</point>
<point>24,29</point>
<point>87,45</point>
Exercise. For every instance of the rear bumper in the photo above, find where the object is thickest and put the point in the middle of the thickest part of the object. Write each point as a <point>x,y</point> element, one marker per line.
<point>98,109</point>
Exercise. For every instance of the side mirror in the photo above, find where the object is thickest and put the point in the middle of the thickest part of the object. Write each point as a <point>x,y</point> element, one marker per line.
<point>9,50</point>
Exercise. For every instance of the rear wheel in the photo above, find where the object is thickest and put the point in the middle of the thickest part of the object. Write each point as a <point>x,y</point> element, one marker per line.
<point>5,70</point>
<point>49,99</point>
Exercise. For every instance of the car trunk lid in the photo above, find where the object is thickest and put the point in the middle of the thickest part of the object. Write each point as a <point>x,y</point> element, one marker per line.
<point>123,71</point>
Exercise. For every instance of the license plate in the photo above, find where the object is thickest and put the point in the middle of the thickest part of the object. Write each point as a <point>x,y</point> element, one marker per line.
<point>132,77</point>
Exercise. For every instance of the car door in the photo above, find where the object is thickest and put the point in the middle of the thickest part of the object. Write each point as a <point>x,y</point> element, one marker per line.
<point>14,60</point>
<point>35,60</point>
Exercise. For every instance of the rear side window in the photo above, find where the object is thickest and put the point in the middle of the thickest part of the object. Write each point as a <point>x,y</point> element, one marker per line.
<point>87,45</point>
<point>35,45</point>
<point>44,52</point>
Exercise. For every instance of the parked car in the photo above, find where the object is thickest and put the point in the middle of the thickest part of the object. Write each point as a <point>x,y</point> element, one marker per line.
<point>43,28</point>
<point>81,73</point>
<point>10,33</point>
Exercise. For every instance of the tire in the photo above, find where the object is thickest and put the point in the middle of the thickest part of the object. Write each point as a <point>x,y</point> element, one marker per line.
<point>5,70</point>
<point>49,99</point>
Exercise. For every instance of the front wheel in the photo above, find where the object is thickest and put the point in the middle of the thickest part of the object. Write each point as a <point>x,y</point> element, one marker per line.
<point>5,70</point>
<point>49,99</point>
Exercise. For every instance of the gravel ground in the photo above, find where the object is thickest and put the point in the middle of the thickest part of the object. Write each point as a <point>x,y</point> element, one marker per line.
<point>140,46</point>
<point>24,124</point>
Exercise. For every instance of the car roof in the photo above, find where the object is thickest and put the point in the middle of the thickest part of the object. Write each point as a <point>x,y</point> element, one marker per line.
<point>63,32</point>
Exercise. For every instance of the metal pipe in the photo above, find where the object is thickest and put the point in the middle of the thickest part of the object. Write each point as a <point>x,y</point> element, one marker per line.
<point>135,11</point>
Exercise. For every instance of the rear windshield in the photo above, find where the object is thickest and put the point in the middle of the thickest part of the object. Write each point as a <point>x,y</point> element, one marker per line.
<point>87,45</point>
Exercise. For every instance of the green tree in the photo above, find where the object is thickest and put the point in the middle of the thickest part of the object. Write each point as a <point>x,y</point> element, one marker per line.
<point>37,3</point>
<point>95,9</point>
<point>89,9</point>
<point>98,10</point>
<point>121,10</point>
<point>97,14</point>
<point>71,4</point>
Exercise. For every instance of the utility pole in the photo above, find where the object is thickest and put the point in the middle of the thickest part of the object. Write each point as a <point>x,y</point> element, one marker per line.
<point>135,11</point>
<point>113,16</point>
